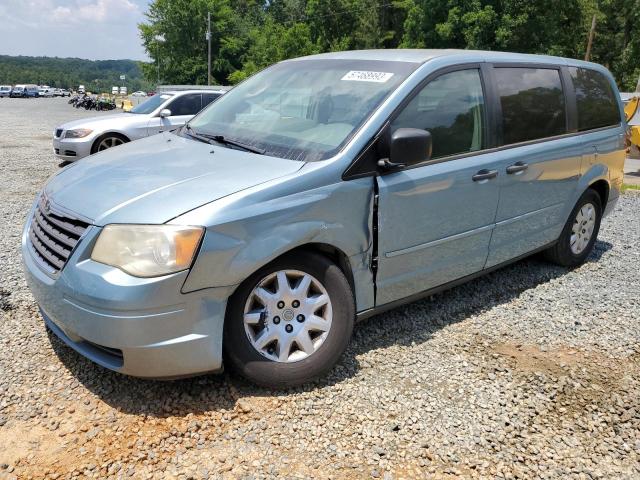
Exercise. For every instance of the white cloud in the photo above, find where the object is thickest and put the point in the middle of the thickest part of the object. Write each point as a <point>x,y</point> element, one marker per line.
<point>101,11</point>
<point>95,29</point>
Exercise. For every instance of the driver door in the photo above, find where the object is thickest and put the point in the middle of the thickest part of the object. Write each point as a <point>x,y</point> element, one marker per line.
<point>435,219</point>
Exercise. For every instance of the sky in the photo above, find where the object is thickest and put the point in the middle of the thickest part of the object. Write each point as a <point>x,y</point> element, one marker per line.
<point>92,29</point>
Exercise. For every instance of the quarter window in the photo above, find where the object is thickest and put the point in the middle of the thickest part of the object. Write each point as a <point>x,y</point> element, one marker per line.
<point>451,108</point>
<point>596,102</point>
<point>532,103</point>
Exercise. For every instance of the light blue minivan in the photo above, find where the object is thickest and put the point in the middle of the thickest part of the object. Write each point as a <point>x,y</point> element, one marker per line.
<point>321,190</point>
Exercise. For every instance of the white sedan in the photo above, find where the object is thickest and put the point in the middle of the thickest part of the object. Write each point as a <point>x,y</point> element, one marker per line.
<point>166,111</point>
<point>139,93</point>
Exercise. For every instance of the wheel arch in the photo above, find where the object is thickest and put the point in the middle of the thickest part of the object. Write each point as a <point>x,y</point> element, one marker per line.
<point>104,135</point>
<point>330,252</point>
<point>601,187</point>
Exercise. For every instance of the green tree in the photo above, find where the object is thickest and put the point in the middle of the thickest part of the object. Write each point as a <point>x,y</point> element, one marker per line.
<point>182,54</point>
<point>250,34</point>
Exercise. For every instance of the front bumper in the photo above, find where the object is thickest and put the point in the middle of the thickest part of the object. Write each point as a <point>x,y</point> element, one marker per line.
<point>136,326</point>
<point>72,149</point>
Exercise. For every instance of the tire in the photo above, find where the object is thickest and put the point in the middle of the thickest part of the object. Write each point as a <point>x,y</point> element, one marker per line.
<point>276,366</point>
<point>112,139</point>
<point>572,248</point>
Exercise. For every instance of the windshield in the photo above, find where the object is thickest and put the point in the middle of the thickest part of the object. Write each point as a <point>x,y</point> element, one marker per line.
<point>150,105</point>
<point>302,110</point>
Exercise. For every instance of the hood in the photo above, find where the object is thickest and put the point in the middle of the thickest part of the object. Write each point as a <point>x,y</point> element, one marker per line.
<point>120,120</point>
<point>158,178</point>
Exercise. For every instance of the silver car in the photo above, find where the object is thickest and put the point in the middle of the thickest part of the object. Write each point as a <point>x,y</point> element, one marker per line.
<point>165,111</point>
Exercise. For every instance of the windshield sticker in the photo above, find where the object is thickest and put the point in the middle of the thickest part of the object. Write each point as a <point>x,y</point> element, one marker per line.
<point>364,76</point>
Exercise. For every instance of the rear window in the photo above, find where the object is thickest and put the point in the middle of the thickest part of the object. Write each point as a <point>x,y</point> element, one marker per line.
<point>596,101</point>
<point>532,103</point>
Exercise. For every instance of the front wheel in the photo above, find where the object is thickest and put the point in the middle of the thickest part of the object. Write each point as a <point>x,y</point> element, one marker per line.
<point>290,322</point>
<point>108,141</point>
<point>579,233</point>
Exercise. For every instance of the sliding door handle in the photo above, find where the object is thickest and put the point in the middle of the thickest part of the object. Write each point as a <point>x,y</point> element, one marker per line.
<point>484,174</point>
<point>517,168</point>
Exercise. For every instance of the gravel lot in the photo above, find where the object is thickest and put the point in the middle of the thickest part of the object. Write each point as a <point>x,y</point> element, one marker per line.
<point>530,372</point>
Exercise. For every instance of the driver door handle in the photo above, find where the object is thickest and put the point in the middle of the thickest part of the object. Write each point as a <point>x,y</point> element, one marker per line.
<point>484,174</point>
<point>517,168</point>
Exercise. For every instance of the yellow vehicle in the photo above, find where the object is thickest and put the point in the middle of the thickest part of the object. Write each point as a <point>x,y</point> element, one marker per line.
<point>126,105</point>
<point>632,114</point>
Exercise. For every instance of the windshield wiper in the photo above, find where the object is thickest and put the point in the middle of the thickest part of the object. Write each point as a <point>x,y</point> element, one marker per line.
<point>228,141</point>
<point>196,136</point>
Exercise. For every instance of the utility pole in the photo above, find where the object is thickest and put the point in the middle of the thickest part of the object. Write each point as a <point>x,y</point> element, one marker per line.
<point>209,48</point>
<point>591,33</point>
<point>158,39</point>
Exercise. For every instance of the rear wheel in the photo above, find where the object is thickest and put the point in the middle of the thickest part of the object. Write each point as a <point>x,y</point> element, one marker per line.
<point>579,233</point>
<point>290,322</point>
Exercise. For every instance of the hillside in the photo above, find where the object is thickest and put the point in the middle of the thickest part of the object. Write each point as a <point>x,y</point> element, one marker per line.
<point>96,75</point>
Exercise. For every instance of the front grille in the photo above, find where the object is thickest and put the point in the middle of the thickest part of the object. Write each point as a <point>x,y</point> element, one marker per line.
<point>58,132</point>
<point>53,236</point>
<point>69,153</point>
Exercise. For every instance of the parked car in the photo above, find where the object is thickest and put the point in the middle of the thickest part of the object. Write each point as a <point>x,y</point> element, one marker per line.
<point>139,93</point>
<point>45,91</point>
<point>320,191</point>
<point>25,91</point>
<point>77,139</point>
<point>81,89</point>
<point>5,90</point>
<point>32,91</point>
<point>123,90</point>
<point>114,90</point>
<point>64,92</point>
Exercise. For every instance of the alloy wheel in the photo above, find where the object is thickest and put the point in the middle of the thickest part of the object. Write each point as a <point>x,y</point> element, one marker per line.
<point>109,142</point>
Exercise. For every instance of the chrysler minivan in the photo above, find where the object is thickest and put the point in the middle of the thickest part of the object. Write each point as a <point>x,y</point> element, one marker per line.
<point>320,191</point>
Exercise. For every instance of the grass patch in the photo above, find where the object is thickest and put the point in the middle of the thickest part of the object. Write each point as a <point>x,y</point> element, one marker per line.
<point>627,186</point>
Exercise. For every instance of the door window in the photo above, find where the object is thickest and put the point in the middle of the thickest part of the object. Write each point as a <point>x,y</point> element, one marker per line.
<point>189,104</point>
<point>532,103</point>
<point>451,108</point>
<point>596,102</point>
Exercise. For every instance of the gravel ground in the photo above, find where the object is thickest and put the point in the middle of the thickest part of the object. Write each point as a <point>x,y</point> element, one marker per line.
<point>530,372</point>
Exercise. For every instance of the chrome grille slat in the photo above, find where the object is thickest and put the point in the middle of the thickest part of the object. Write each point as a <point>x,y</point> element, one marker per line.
<point>46,240</point>
<point>44,253</point>
<point>53,232</point>
<point>65,225</point>
<point>53,237</point>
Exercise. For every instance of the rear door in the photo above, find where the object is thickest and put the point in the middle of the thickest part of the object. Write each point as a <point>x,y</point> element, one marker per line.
<point>435,219</point>
<point>539,162</point>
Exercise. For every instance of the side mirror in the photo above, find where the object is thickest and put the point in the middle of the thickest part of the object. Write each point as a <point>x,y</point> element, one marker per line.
<point>165,112</point>
<point>409,146</point>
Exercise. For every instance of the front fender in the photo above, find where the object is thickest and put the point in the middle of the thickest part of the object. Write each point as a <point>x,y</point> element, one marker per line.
<point>338,214</point>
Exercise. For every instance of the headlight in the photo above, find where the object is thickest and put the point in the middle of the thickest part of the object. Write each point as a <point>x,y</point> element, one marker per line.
<point>78,133</point>
<point>147,250</point>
